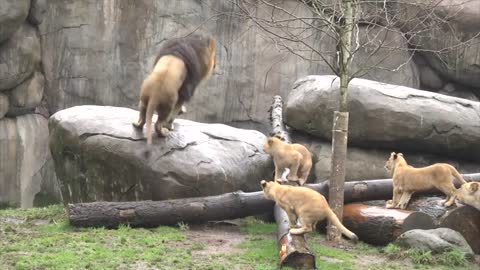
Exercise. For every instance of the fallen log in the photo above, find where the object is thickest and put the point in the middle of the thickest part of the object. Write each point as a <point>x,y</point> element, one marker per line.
<point>226,206</point>
<point>169,212</point>
<point>293,249</point>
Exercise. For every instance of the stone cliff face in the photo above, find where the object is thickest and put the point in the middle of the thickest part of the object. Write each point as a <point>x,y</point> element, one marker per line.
<point>27,176</point>
<point>57,54</point>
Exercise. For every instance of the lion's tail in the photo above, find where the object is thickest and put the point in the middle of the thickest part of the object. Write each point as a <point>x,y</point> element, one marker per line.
<point>149,115</point>
<point>456,174</point>
<point>335,221</point>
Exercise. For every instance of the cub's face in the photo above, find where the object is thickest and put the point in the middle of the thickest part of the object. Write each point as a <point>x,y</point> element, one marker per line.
<point>470,188</point>
<point>267,145</point>
<point>392,161</point>
<point>267,187</point>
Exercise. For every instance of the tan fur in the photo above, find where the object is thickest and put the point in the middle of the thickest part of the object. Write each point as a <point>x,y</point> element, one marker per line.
<point>160,90</point>
<point>295,157</point>
<point>407,180</point>
<point>469,193</point>
<point>304,204</point>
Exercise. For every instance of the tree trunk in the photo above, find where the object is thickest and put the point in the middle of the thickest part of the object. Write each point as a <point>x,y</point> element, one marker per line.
<point>337,178</point>
<point>340,119</point>
<point>379,226</point>
<point>226,206</point>
<point>293,249</point>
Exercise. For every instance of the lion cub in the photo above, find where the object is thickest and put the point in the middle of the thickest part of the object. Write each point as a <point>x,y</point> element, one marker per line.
<point>407,180</point>
<point>294,157</point>
<point>469,193</point>
<point>305,204</point>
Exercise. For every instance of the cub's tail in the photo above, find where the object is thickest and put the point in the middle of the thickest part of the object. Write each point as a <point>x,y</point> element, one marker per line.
<point>456,174</point>
<point>335,221</point>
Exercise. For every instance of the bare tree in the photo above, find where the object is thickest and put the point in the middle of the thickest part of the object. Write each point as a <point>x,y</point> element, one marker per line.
<point>356,38</point>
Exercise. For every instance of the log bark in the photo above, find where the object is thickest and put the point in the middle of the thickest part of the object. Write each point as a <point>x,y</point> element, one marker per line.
<point>169,212</point>
<point>200,209</point>
<point>293,249</point>
<point>379,226</point>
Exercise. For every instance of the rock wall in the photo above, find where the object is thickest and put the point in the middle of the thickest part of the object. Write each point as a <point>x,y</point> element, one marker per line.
<point>27,176</point>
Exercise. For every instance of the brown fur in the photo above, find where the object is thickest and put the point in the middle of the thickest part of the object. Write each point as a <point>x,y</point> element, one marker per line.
<point>469,193</point>
<point>295,157</point>
<point>181,65</point>
<point>304,204</point>
<point>407,180</point>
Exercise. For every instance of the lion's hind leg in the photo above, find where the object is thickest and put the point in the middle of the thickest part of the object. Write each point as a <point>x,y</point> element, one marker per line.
<point>307,226</point>
<point>164,112</point>
<point>451,193</point>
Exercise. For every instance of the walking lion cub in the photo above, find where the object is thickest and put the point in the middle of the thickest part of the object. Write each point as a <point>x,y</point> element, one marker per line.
<point>303,203</point>
<point>407,180</point>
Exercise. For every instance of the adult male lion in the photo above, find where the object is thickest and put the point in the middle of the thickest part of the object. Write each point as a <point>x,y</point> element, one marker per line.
<point>181,65</point>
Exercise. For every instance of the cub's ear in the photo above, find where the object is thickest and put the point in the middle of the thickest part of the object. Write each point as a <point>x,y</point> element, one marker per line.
<point>270,141</point>
<point>400,154</point>
<point>474,187</point>
<point>263,183</point>
<point>395,156</point>
<point>279,181</point>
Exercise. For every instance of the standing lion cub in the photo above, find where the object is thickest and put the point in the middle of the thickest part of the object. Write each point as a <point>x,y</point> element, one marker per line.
<point>305,204</point>
<point>294,157</point>
<point>407,180</point>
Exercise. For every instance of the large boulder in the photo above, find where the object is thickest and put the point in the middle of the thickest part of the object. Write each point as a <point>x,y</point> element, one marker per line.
<point>100,156</point>
<point>19,56</point>
<point>393,117</point>
<point>26,168</point>
<point>12,15</point>
<point>368,163</point>
<point>436,240</point>
<point>27,96</point>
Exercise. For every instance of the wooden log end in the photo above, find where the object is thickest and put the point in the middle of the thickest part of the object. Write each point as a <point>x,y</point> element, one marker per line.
<point>466,221</point>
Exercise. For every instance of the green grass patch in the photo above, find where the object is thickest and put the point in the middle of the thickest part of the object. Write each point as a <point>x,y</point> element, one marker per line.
<point>41,238</point>
<point>451,258</point>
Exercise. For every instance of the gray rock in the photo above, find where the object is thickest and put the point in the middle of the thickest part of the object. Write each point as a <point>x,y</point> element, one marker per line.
<point>385,65</point>
<point>368,163</point>
<point>99,156</point>
<point>437,240</point>
<point>12,15</point>
<point>19,56</point>
<point>4,105</point>
<point>38,9</point>
<point>429,78</point>
<point>388,116</point>
<point>26,167</point>
<point>450,40</point>
<point>27,96</point>
<point>456,90</point>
